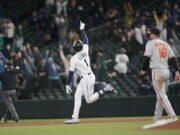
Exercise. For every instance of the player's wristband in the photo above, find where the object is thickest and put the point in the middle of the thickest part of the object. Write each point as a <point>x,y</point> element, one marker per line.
<point>84,37</point>
<point>70,76</point>
<point>145,63</point>
<point>173,62</point>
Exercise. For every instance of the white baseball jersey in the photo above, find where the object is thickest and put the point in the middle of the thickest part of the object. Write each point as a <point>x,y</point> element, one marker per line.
<point>80,62</point>
<point>159,52</point>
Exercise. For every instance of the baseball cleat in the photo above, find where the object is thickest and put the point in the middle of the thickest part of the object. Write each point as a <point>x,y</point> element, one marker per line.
<point>155,118</point>
<point>72,121</point>
<point>4,120</point>
<point>172,119</point>
<point>110,88</point>
<point>17,120</point>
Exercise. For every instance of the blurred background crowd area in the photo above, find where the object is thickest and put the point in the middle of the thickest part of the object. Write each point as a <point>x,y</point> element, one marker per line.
<point>37,35</point>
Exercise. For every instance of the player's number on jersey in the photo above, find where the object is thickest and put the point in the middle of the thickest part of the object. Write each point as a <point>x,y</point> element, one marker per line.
<point>86,62</point>
<point>163,52</point>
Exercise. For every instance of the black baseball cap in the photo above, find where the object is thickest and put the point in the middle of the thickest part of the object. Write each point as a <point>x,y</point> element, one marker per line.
<point>155,31</point>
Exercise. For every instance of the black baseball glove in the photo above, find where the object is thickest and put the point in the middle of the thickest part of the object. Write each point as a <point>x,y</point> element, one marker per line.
<point>143,77</point>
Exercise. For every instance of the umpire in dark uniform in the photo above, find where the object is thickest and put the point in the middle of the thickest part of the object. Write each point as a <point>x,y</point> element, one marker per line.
<point>8,78</point>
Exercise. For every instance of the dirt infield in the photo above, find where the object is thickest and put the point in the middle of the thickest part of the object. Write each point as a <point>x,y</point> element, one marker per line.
<point>174,125</point>
<point>44,123</point>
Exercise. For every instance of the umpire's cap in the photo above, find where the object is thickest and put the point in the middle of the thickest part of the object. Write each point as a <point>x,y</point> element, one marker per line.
<point>78,45</point>
<point>155,31</point>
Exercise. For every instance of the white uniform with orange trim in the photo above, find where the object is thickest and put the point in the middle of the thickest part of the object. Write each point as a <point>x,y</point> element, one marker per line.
<point>159,53</point>
<point>80,63</point>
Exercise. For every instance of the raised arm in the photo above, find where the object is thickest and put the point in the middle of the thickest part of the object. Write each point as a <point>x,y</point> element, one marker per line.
<point>61,53</point>
<point>83,34</point>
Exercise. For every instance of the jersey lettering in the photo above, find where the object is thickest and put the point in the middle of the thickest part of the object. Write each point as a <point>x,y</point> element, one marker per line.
<point>160,44</point>
<point>163,52</point>
<point>82,55</point>
<point>86,62</point>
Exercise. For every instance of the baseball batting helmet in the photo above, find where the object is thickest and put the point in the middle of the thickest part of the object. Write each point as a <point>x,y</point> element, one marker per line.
<point>78,45</point>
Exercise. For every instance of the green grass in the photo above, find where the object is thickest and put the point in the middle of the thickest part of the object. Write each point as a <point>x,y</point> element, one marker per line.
<point>124,128</point>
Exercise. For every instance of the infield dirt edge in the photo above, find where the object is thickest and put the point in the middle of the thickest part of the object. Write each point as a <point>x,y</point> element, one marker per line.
<point>174,125</point>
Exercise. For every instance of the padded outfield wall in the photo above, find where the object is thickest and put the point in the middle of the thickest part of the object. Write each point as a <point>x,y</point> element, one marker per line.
<point>127,106</point>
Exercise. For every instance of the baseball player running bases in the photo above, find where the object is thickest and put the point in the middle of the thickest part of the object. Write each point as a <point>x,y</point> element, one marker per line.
<point>80,62</point>
<point>157,54</point>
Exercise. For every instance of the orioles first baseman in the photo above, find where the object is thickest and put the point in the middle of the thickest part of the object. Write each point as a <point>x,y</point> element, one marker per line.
<point>157,54</point>
<point>80,62</point>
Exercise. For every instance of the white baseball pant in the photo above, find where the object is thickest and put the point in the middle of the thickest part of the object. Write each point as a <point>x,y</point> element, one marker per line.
<point>85,88</point>
<point>160,79</point>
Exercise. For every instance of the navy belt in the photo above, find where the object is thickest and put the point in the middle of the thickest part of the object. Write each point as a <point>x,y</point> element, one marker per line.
<point>87,74</point>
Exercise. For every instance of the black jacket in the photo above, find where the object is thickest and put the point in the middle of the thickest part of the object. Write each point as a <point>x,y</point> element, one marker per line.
<point>8,78</point>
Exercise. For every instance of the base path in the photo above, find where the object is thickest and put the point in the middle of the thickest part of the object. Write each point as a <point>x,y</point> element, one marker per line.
<point>173,125</point>
<point>44,123</point>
